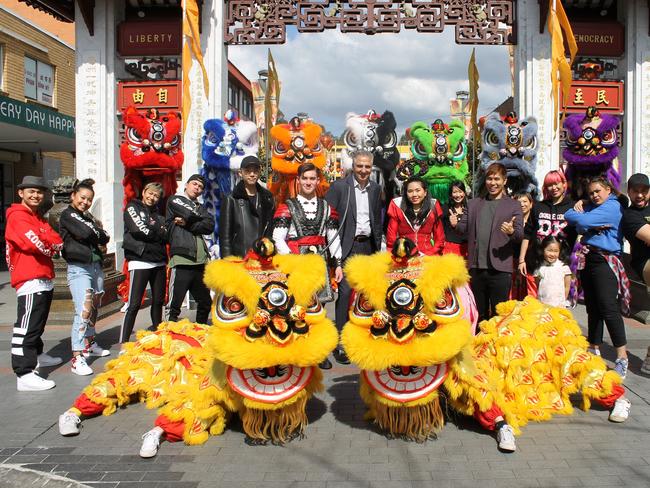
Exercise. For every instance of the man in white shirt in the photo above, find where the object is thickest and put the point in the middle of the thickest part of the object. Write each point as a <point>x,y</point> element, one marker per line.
<point>358,201</point>
<point>308,224</point>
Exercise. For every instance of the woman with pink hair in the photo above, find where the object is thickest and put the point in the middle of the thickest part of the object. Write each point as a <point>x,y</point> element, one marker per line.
<point>548,216</point>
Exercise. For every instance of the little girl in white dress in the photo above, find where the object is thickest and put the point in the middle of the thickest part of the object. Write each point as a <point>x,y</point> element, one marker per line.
<point>553,276</point>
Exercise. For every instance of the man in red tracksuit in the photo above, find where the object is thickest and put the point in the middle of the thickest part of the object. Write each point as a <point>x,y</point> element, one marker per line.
<point>31,244</point>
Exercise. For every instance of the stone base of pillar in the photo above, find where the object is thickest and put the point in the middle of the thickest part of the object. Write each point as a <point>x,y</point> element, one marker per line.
<point>62,309</point>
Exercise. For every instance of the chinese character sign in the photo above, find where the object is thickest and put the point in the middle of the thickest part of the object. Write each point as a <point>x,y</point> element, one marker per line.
<point>162,95</point>
<point>606,96</point>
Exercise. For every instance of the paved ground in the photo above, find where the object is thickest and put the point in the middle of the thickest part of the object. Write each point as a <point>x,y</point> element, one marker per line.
<point>340,449</point>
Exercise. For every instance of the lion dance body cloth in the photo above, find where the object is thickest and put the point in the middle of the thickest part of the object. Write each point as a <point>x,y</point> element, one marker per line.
<point>259,359</point>
<point>409,334</point>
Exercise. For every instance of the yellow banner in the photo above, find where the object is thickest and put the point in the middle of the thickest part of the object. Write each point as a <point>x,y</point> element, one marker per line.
<point>191,46</point>
<point>472,73</point>
<point>560,29</point>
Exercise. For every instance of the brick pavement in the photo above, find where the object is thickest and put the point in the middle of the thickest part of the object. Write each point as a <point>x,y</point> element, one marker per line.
<point>340,450</point>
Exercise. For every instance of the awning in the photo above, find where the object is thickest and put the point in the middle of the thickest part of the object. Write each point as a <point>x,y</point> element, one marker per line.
<point>28,128</point>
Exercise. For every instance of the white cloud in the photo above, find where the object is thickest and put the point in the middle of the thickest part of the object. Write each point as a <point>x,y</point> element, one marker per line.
<point>413,74</point>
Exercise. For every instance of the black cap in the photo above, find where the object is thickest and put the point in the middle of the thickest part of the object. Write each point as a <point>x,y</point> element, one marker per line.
<point>638,179</point>
<point>249,161</point>
<point>33,182</point>
<point>196,177</point>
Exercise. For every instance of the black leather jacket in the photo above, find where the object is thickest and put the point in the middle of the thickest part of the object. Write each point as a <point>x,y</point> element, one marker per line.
<point>144,234</point>
<point>182,240</point>
<point>241,223</point>
<point>80,234</point>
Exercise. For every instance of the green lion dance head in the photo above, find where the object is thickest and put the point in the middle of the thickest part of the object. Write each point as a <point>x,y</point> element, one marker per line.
<point>439,156</point>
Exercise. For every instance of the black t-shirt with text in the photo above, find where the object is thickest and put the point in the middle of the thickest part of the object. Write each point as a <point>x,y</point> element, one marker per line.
<point>633,219</point>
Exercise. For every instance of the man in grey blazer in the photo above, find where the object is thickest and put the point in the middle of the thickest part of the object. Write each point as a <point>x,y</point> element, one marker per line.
<point>358,202</point>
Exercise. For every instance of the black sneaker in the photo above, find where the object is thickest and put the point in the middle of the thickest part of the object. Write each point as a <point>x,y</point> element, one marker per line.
<point>340,356</point>
<point>325,364</point>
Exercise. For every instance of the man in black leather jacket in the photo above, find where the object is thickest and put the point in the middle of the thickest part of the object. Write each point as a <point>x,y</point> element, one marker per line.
<point>187,222</point>
<point>246,213</point>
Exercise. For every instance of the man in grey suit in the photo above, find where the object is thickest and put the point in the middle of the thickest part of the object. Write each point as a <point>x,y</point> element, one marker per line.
<point>358,202</point>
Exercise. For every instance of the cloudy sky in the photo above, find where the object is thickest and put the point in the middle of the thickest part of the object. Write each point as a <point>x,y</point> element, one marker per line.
<point>413,74</point>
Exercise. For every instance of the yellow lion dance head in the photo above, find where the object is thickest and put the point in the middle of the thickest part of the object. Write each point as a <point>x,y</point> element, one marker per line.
<point>270,332</point>
<point>407,322</point>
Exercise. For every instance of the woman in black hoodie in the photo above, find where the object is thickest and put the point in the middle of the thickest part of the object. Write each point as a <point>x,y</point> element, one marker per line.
<point>547,218</point>
<point>83,249</point>
<point>144,249</point>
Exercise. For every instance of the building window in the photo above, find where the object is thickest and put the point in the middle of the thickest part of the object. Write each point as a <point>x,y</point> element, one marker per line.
<point>231,95</point>
<point>39,81</point>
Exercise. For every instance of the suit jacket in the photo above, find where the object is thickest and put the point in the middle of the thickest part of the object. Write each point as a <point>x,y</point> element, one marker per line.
<point>501,247</point>
<point>339,194</point>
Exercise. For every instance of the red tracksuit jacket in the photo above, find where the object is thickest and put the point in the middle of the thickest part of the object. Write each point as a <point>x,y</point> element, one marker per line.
<point>31,243</point>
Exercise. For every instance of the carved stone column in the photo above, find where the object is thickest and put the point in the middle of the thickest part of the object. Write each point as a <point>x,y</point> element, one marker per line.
<point>97,135</point>
<point>533,83</point>
<point>215,58</point>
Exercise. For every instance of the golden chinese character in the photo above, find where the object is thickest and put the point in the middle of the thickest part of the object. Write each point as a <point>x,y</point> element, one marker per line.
<point>579,98</point>
<point>138,96</point>
<point>601,98</point>
<point>162,95</point>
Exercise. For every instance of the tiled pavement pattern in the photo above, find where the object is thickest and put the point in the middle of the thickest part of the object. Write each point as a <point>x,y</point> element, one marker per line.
<point>340,450</point>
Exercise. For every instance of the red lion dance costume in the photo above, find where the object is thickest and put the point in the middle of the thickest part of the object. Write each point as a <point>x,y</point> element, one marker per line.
<point>151,151</point>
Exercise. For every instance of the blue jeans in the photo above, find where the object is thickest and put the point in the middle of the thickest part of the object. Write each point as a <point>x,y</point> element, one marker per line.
<point>86,283</point>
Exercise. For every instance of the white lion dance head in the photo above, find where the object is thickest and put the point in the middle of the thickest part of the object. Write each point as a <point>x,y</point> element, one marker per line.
<point>371,132</point>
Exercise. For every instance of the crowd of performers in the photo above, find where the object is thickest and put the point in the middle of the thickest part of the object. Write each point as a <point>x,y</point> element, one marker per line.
<point>439,296</point>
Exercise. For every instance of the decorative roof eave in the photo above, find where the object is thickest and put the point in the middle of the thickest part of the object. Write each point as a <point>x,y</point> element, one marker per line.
<point>63,10</point>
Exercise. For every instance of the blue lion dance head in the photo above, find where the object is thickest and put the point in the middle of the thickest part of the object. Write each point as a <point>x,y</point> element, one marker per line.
<point>223,146</point>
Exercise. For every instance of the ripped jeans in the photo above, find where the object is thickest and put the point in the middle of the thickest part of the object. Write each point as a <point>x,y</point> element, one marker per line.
<point>86,283</point>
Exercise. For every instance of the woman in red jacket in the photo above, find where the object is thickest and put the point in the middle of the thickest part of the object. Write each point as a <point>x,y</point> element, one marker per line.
<point>417,216</point>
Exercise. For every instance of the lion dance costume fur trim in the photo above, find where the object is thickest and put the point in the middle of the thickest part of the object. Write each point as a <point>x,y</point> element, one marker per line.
<point>592,150</point>
<point>151,151</point>
<point>512,143</point>
<point>408,334</point>
<point>258,359</point>
<point>223,147</point>
<point>439,156</point>
<point>293,144</point>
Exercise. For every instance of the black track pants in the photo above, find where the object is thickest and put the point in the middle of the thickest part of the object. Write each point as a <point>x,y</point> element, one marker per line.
<point>139,278</point>
<point>26,343</point>
<point>182,280</point>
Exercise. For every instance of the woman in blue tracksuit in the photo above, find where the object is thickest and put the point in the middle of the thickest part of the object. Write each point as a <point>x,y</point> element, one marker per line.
<point>602,277</point>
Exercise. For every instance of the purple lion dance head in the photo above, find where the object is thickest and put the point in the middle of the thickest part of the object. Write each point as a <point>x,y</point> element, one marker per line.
<point>592,148</point>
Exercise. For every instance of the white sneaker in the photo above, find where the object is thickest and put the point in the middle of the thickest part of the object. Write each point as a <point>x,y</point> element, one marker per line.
<point>69,423</point>
<point>150,443</point>
<point>33,382</point>
<point>621,410</point>
<point>506,439</point>
<point>46,361</point>
<point>80,366</point>
<point>125,307</point>
<point>96,350</point>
